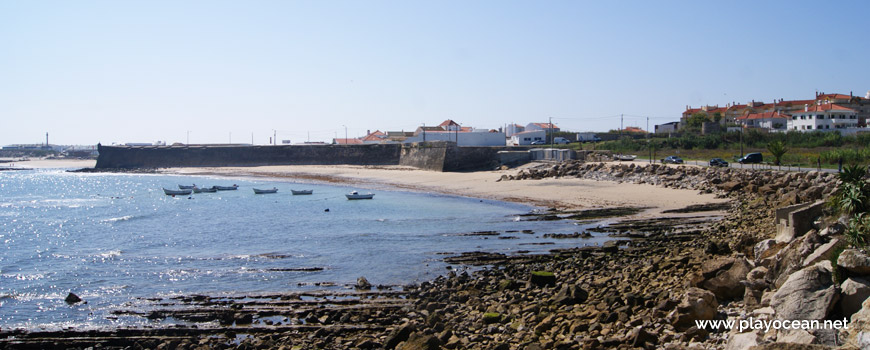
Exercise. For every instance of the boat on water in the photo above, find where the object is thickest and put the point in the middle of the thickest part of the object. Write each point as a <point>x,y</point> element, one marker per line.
<point>169,192</point>
<point>357,195</point>
<point>204,190</point>
<point>299,192</point>
<point>624,157</point>
<point>262,191</point>
<point>226,188</point>
<point>186,187</point>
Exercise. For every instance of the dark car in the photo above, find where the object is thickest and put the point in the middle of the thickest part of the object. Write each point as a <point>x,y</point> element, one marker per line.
<point>751,158</point>
<point>718,162</point>
<point>672,160</point>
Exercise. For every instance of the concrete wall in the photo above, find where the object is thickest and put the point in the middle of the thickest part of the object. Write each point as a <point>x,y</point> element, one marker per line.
<point>471,158</point>
<point>434,156</point>
<point>424,155</point>
<point>465,138</point>
<point>199,156</point>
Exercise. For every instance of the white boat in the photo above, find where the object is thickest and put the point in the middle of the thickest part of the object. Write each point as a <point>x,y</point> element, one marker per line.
<point>357,195</point>
<point>176,192</point>
<point>298,192</point>
<point>226,188</point>
<point>624,157</point>
<point>206,190</point>
<point>271,190</point>
<point>186,187</point>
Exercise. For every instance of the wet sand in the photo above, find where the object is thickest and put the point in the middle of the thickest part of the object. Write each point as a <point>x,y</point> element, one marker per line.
<point>564,193</point>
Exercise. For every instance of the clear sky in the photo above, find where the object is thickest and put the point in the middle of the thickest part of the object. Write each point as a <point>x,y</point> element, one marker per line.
<point>219,71</point>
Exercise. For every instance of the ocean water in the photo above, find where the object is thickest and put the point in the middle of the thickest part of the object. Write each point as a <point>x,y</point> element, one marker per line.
<point>115,238</point>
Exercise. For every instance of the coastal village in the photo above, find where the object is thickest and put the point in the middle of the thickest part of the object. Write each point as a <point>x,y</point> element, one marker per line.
<point>846,114</point>
<point>772,259</point>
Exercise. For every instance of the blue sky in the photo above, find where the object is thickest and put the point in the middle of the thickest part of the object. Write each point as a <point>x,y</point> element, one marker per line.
<point>142,71</point>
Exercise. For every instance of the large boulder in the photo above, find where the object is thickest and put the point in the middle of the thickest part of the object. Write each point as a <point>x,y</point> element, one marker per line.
<point>853,292</point>
<point>808,294</point>
<point>696,304</point>
<point>855,261</point>
<point>824,252</point>
<point>726,284</point>
<point>742,341</point>
<point>858,333</point>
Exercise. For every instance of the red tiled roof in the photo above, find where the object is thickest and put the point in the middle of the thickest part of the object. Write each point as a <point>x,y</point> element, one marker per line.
<point>633,129</point>
<point>372,137</point>
<point>465,129</point>
<point>828,107</point>
<point>448,122</point>
<point>767,115</point>
<point>348,141</point>
<point>833,97</point>
<point>545,125</point>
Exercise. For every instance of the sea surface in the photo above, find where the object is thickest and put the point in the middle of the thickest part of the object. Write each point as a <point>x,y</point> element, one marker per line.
<point>114,239</point>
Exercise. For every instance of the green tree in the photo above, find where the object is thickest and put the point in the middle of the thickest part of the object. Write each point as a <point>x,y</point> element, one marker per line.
<point>697,120</point>
<point>852,198</point>
<point>778,149</point>
<point>717,117</point>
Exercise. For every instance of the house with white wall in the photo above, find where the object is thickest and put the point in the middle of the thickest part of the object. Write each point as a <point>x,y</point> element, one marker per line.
<point>825,117</point>
<point>475,137</point>
<point>527,137</point>
<point>773,121</point>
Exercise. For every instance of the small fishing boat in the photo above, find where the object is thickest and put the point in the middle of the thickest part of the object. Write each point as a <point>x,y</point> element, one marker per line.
<point>357,195</point>
<point>624,157</point>
<point>186,187</point>
<point>204,190</point>
<point>271,190</point>
<point>299,192</point>
<point>226,188</point>
<point>176,192</point>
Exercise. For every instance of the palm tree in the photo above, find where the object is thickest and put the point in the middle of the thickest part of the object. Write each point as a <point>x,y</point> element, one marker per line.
<point>778,149</point>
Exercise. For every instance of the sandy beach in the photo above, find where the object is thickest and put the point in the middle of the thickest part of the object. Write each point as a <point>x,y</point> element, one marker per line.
<point>49,163</point>
<point>565,193</point>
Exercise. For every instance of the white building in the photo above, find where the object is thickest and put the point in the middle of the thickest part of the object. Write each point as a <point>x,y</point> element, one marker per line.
<point>774,121</point>
<point>823,117</point>
<point>512,129</point>
<point>527,137</point>
<point>477,137</point>
<point>667,128</point>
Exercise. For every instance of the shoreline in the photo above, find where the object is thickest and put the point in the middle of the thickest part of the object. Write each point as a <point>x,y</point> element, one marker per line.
<point>559,194</point>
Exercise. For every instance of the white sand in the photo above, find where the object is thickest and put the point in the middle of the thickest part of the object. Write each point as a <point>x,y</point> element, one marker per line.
<point>37,163</point>
<point>559,193</point>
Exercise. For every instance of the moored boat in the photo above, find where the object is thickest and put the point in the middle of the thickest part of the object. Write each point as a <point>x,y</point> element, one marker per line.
<point>299,192</point>
<point>357,195</point>
<point>262,191</point>
<point>169,192</point>
<point>204,190</point>
<point>186,187</point>
<point>226,188</point>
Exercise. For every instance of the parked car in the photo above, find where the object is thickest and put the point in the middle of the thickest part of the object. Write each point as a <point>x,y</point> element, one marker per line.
<point>538,142</point>
<point>718,162</point>
<point>561,141</point>
<point>751,158</point>
<point>672,160</point>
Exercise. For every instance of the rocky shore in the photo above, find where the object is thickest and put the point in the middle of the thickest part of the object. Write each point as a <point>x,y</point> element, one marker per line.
<point>646,292</point>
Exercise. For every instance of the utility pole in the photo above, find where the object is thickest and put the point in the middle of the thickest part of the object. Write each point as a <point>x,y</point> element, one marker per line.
<point>424,132</point>
<point>188,137</point>
<point>46,140</point>
<point>551,132</point>
<point>274,137</point>
<point>231,137</point>
<point>252,139</point>
<point>620,125</point>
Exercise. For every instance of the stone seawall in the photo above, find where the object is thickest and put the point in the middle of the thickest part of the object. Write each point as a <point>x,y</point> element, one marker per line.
<point>434,156</point>
<point>202,156</point>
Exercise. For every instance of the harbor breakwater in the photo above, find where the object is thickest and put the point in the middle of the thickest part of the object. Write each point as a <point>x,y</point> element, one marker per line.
<point>435,156</point>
